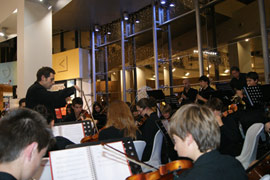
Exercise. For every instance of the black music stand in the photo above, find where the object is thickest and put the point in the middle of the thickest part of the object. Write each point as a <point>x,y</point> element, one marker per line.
<point>158,95</point>
<point>172,101</point>
<point>254,95</point>
<point>224,92</point>
<point>87,126</point>
<point>129,148</point>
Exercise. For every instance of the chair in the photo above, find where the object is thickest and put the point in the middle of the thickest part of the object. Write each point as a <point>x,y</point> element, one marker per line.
<point>265,177</point>
<point>139,146</point>
<point>249,151</point>
<point>155,158</point>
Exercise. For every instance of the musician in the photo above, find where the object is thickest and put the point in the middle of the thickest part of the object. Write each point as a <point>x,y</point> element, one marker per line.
<point>77,112</point>
<point>205,91</point>
<point>22,103</point>
<point>98,114</point>
<point>25,137</point>
<point>38,92</point>
<point>61,142</point>
<point>231,141</point>
<point>120,123</point>
<point>196,135</point>
<point>148,128</point>
<point>188,95</point>
<point>238,80</point>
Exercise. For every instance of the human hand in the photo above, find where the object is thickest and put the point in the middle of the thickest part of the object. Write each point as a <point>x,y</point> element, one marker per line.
<point>77,88</point>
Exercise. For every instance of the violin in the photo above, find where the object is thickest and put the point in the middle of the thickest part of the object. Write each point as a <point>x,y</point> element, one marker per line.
<point>92,138</point>
<point>142,120</point>
<point>84,116</point>
<point>164,172</point>
<point>231,109</point>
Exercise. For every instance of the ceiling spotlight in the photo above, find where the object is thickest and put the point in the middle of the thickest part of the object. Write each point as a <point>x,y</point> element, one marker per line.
<point>227,71</point>
<point>97,28</point>
<point>173,69</point>
<point>125,16</point>
<point>109,32</point>
<point>246,40</point>
<point>15,11</point>
<point>2,34</point>
<point>40,0</point>
<point>50,7</point>
<point>187,74</point>
<point>172,5</point>
<point>163,2</point>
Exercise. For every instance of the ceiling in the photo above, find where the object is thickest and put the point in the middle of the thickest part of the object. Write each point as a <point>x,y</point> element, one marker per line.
<point>81,14</point>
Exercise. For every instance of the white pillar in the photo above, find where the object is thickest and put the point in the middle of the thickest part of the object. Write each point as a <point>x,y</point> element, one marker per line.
<point>166,80</point>
<point>244,56</point>
<point>34,29</point>
<point>141,80</point>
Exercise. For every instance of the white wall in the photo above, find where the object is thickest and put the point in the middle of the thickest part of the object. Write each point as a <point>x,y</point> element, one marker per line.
<point>34,42</point>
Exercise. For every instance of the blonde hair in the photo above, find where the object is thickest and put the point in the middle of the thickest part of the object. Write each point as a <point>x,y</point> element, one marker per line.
<point>200,122</point>
<point>120,116</point>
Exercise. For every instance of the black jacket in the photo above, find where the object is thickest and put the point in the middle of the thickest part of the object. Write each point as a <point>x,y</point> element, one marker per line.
<point>37,94</point>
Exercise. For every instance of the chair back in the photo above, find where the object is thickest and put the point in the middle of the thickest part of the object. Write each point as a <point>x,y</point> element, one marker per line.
<point>139,146</point>
<point>155,158</point>
<point>249,150</point>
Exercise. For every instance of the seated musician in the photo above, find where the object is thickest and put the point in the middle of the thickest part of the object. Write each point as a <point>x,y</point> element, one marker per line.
<point>61,142</point>
<point>238,80</point>
<point>205,91</point>
<point>197,136</point>
<point>120,123</point>
<point>252,114</point>
<point>99,115</point>
<point>25,137</point>
<point>148,128</point>
<point>77,112</point>
<point>231,141</point>
<point>188,95</point>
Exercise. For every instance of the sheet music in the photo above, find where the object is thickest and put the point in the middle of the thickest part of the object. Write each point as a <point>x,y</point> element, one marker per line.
<point>108,164</point>
<point>73,132</point>
<point>71,164</point>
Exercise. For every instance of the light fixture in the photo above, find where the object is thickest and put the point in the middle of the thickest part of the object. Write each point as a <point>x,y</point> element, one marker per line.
<point>163,2</point>
<point>15,11</point>
<point>178,58</point>
<point>172,4</point>
<point>109,32</point>
<point>173,69</point>
<point>2,34</point>
<point>97,28</point>
<point>137,21</point>
<point>50,7</point>
<point>40,0</point>
<point>125,16</point>
<point>246,40</point>
<point>154,76</point>
<point>210,66</point>
<point>187,74</point>
<point>207,75</point>
<point>227,71</point>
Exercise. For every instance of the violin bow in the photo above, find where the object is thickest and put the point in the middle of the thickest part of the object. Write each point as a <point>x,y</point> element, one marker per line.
<point>88,107</point>
<point>112,149</point>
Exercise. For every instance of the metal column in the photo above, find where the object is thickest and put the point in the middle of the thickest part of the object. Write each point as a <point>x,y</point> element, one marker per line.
<point>264,40</point>
<point>170,52</point>
<point>199,36</point>
<point>155,45</point>
<point>94,66</point>
<point>134,61</point>
<point>123,60</point>
<point>106,69</point>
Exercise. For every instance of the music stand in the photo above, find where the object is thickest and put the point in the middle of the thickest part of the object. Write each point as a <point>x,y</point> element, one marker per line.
<point>224,92</point>
<point>265,92</point>
<point>254,95</point>
<point>172,101</point>
<point>156,94</point>
<point>129,148</point>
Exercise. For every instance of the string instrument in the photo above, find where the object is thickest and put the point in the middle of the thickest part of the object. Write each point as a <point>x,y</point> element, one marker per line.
<point>142,120</point>
<point>164,172</point>
<point>84,116</point>
<point>231,109</point>
<point>94,137</point>
<point>260,168</point>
